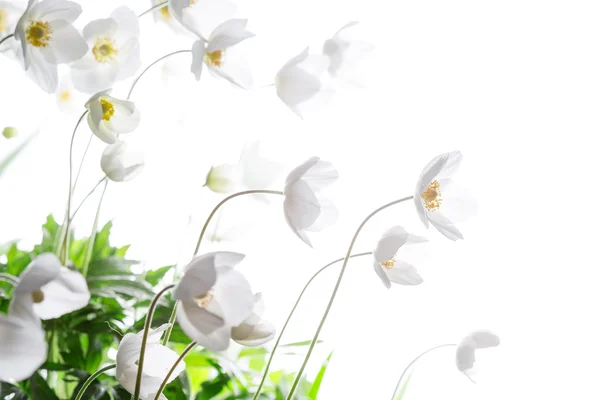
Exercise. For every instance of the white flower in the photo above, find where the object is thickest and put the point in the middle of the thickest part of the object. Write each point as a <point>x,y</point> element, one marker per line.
<point>254,331</point>
<point>438,199</point>
<point>387,267</point>
<point>220,55</point>
<point>163,14</point>
<point>213,298</point>
<point>344,53</point>
<point>49,289</point>
<point>9,15</point>
<point>48,38</point>
<point>114,52</point>
<point>23,347</point>
<point>109,117</point>
<point>158,360</point>
<point>303,209</point>
<point>299,80</point>
<point>465,351</point>
<point>121,162</point>
<point>201,17</point>
<point>68,100</point>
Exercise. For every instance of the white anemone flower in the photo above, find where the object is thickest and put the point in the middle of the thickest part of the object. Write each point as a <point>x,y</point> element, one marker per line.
<point>121,162</point>
<point>49,289</point>
<point>220,54</point>
<point>158,360</point>
<point>23,347</point>
<point>300,81</point>
<point>163,14</point>
<point>201,17</point>
<point>110,117</point>
<point>254,331</point>
<point>387,267</point>
<point>68,100</point>
<point>114,53</point>
<point>9,15</point>
<point>212,298</point>
<point>465,351</point>
<point>48,38</point>
<point>438,199</point>
<point>304,209</point>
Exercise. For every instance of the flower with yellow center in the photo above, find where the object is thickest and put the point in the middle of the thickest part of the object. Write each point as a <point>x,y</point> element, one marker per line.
<point>392,243</point>
<point>454,205</point>
<point>38,33</point>
<point>110,117</point>
<point>198,17</point>
<point>105,50</point>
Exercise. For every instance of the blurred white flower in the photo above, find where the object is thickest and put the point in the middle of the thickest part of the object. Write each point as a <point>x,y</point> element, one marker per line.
<point>23,347</point>
<point>387,267</point>
<point>219,53</point>
<point>163,14</point>
<point>439,200</point>
<point>114,52</point>
<point>304,210</point>
<point>213,297</point>
<point>158,360</point>
<point>49,289</point>
<point>47,38</point>
<point>345,53</point>
<point>9,15</point>
<point>224,178</point>
<point>121,162</point>
<point>68,100</point>
<point>299,80</point>
<point>109,117</point>
<point>201,17</point>
<point>254,331</point>
<point>465,351</point>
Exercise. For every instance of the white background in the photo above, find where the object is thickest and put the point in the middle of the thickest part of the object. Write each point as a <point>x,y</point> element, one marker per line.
<point>513,85</point>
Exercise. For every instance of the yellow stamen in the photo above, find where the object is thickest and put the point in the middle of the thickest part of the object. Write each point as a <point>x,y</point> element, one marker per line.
<point>38,33</point>
<point>204,301</point>
<point>165,13</point>
<point>37,296</point>
<point>214,59</point>
<point>65,96</point>
<point>108,109</point>
<point>389,264</point>
<point>432,196</point>
<point>105,50</point>
<point>3,20</point>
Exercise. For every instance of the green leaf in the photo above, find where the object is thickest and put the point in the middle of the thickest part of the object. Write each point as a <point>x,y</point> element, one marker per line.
<point>213,387</point>
<point>40,389</point>
<point>302,343</point>
<point>10,157</point>
<point>314,390</point>
<point>154,277</point>
<point>6,389</point>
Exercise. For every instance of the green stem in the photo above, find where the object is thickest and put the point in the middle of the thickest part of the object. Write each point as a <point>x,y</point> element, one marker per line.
<point>87,196</point>
<point>90,247</point>
<point>335,289</point>
<point>181,357</point>
<point>414,361</point>
<point>149,66</point>
<point>87,147</point>
<point>13,280</point>
<point>6,38</point>
<point>159,5</point>
<point>147,324</point>
<point>91,379</point>
<point>287,321</point>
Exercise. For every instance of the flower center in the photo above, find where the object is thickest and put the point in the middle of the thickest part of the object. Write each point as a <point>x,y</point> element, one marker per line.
<point>38,33</point>
<point>164,12</point>
<point>65,96</point>
<point>204,301</point>
<point>107,109</point>
<point>105,50</point>
<point>214,59</point>
<point>432,196</point>
<point>389,264</point>
<point>37,296</point>
<point>2,20</point>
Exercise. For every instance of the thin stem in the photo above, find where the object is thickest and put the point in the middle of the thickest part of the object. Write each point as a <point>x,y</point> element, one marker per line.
<point>13,280</point>
<point>90,247</point>
<point>92,378</point>
<point>414,361</point>
<point>65,253</point>
<point>82,160</point>
<point>149,66</point>
<point>159,5</point>
<point>335,289</point>
<point>172,318</point>
<point>87,196</point>
<point>6,38</point>
<point>264,377</point>
<point>147,324</point>
<point>181,357</point>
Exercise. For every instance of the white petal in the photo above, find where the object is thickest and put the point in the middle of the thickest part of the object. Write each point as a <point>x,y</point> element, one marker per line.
<point>228,34</point>
<point>65,294</point>
<point>404,274</point>
<point>444,225</point>
<point>120,162</point>
<point>199,277</point>
<point>233,68</point>
<point>50,10</point>
<point>90,76</point>
<point>328,216</point>
<point>43,269</point>
<point>465,351</point>
<point>202,326</point>
<point>452,164</point>
<point>42,72</point>
<point>458,204</point>
<point>389,243</point>
<point>126,117</point>
<point>381,274</point>
<point>21,307</point>
<point>205,15</point>
<point>421,212</point>
<point>127,20</point>
<point>23,349</point>
<point>253,335</point>
<point>320,175</point>
<point>301,207</point>
<point>257,172</point>
<point>129,59</point>
<point>197,58</point>
<point>447,162</point>
<point>233,295</point>
<point>106,27</point>
<point>298,172</point>
<point>67,44</point>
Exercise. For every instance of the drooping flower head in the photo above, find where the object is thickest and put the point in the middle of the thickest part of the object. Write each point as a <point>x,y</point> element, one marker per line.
<point>254,331</point>
<point>305,210</point>
<point>465,351</point>
<point>201,17</point>
<point>438,199</point>
<point>213,298</point>
<point>114,52</point>
<point>158,362</point>
<point>110,117</point>
<point>48,38</point>
<point>121,162</point>
<point>390,268</point>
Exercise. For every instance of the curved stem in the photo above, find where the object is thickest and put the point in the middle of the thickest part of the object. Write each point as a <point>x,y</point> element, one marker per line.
<point>264,377</point>
<point>91,379</point>
<point>414,361</point>
<point>181,357</point>
<point>335,289</point>
<point>90,246</point>
<point>149,66</point>
<point>87,196</point>
<point>154,7</point>
<point>82,160</point>
<point>6,38</point>
<point>13,280</point>
<point>147,324</point>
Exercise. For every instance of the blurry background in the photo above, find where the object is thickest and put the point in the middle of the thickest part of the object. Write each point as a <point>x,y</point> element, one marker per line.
<point>513,85</point>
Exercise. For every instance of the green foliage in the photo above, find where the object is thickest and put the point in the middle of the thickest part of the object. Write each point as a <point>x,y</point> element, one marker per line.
<point>79,343</point>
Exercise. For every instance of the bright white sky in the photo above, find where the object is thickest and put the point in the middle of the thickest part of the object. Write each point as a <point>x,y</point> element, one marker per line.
<point>511,84</point>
